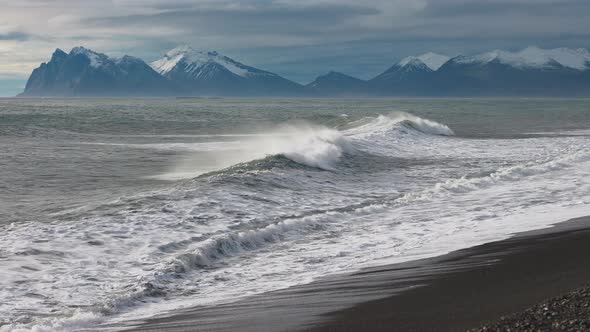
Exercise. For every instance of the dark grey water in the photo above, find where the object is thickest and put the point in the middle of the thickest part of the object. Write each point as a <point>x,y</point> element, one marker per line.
<point>48,165</point>
<point>147,205</point>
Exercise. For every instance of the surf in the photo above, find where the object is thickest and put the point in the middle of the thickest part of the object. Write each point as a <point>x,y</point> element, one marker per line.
<point>310,145</point>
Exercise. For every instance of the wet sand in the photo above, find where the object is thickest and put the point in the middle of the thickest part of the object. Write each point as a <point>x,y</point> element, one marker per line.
<point>463,290</point>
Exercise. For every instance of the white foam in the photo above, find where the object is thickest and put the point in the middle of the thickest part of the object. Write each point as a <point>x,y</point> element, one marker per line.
<point>314,146</point>
<point>75,321</point>
<point>308,145</point>
<point>321,148</point>
<point>387,123</point>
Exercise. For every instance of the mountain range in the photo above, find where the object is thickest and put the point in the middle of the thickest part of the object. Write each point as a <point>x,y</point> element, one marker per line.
<point>83,72</point>
<point>184,71</point>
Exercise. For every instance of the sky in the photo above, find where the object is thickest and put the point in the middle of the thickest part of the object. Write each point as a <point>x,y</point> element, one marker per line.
<point>298,39</point>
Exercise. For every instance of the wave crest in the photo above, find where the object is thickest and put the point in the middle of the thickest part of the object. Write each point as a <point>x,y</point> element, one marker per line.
<point>426,126</point>
<point>305,144</point>
<point>395,121</point>
<point>320,148</point>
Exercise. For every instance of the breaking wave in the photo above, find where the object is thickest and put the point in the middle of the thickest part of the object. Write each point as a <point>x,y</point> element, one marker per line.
<point>309,145</point>
<point>218,248</point>
<point>396,122</point>
<point>306,144</point>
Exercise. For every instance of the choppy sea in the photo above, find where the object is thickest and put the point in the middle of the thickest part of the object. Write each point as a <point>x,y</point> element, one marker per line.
<point>120,208</point>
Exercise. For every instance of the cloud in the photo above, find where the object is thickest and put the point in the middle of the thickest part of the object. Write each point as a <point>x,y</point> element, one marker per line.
<point>14,35</point>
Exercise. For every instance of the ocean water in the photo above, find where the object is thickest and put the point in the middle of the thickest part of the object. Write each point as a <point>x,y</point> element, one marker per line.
<point>119,209</point>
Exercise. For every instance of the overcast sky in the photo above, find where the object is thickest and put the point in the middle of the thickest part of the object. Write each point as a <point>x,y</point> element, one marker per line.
<point>298,39</point>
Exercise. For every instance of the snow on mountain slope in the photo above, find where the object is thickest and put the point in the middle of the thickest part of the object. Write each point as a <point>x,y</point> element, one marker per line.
<point>534,57</point>
<point>572,58</point>
<point>432,60</point>
<point>196,60</point>
<point>96,59</point>
<point>83,72</point>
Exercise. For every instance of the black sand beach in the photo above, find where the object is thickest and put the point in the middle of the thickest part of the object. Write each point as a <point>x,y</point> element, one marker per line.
<point>531,268</point>
<point>463,290</point>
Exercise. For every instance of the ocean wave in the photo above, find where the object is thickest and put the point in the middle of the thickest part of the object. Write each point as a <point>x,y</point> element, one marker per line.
<point>224,248</point>
<point>396,121</point>
<point>231,244</point>
<point>306,144</point>
<point>322,147</point>
<point>504,174</point>
<point>309,145</point>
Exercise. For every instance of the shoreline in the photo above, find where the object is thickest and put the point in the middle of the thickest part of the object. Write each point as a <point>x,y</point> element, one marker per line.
<point>461,290</point>
<point>491,281</point>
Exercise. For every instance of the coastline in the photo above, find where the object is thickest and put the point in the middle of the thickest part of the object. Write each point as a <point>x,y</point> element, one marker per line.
<point>458,291</point>
<point>479,285</point>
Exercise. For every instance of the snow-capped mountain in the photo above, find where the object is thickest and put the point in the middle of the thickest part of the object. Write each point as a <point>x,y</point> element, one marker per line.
<point>408,76</point>
<point>413,66</point>
<point>531,71</point>
<point>335,83</point>
<point>432,60</point>
<point>84,72</point>
<point>195,63</point>
<point>184,71</point>
<point>533,57</point>
<point>211,73</point>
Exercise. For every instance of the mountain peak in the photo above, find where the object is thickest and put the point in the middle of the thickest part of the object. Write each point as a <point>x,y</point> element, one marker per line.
<point>58,54</point>
<point>82,50</point>
<point>128,59</point>
<point>334,74</point>
<point>410,61</point>
<point>336,82</point>
<point>180,49</point>
<point>533,57</point>
<point>188,51</point>
<point>195,60</point>
<point>68,75</point>
<point>431,60</point>
<point>96,59</point>
<point>212,73</point>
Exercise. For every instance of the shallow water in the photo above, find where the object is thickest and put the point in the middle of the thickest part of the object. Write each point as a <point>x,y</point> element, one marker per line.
<point>111,209</point>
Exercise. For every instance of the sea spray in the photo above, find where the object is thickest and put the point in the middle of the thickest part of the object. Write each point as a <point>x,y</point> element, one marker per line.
<point>394,121</point>
<point>306,144</point>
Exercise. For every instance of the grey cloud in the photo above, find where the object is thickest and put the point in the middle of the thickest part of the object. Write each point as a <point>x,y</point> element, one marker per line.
<point>15,35</point>
<point>329,23</point>
<point>527,8</point>
<point>243,21</point>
